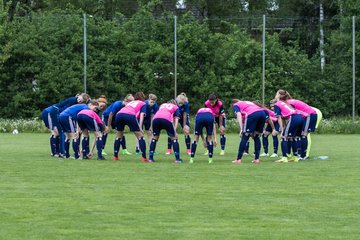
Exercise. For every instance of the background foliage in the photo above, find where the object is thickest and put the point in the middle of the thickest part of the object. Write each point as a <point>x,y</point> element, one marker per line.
<point>130,48</point>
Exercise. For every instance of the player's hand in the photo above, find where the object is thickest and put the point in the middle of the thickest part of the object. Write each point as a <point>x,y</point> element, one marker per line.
<point>215,143</point>
<point>90,154</point>
<point>222,130</point>
<point>274,133</point>
<point>76,135</point>
<point>186,129</point>
<point>106,129</point>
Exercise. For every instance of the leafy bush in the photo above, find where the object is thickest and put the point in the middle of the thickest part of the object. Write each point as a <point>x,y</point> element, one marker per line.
<point>339,126</point>
<point>327,126</point>
<point>22,125</point>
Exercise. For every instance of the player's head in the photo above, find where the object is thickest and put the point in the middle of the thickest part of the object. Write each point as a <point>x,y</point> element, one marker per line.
<point>102,102</point>
<point>93,105</point>
<point>272,103</point>
<point>128,98</point>
<point>181,99</point>
<point>152,99</point>
<point>140,96</point>
<point>282,95</point>
<point>212,99</point>
<point>83,98</point>
<point>233,101</point>
<point>257,103</point>
<point>173,101</point>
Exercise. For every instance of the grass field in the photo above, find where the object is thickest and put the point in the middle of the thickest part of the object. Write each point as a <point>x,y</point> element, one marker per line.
<point>48,198</point>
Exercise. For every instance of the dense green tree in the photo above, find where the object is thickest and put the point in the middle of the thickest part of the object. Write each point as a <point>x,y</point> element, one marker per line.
<point>41,55</point>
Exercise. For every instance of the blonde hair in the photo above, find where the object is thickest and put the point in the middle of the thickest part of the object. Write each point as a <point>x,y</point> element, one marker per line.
<point>102,99</point>
<point>129,98</point>
<point>152,97</point>
<point>284,95</point>
<point>233,101</point>
<point>182,97</point>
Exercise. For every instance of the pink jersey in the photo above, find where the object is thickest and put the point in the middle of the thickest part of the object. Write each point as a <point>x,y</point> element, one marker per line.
<point>246,107</point>
<point>166,111</point>
<point>205,110</point>
<point>301,106</point>
<point>91,114</point>
<point>133,108</point>
<point>215,109</point>
<point>271,115</point>
<point>286,109</point>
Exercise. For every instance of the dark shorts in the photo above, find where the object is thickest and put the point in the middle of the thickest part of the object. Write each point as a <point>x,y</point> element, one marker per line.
<point>105,120</point>
<point>181,121</point>
<point>159,124</point>
<point>147,124</point>
<point>217,119</point>
<point>204,120</point>
<point>255,122</point>
<point>310,123</point>
<point>89,123</point>
<point>276,125</point>
<point>123,119</point>
<point>68,124</point>
<point>294,126</point>
<point>50,116</point>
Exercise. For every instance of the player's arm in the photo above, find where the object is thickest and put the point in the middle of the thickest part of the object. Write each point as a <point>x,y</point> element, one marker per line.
<point>142,116</point>
<point>176,119</point>
<point>214,134</point>
<point>175,122</point>
<point>221,116</point>
<point>239,118</point>
<point>92,148</point>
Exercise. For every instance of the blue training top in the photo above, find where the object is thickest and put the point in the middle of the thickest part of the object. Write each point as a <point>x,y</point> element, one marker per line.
<point>150,110</point>
<point>74,110</point>
<point>184,108</point>
<point>114,108</point>
<point>61,106</point>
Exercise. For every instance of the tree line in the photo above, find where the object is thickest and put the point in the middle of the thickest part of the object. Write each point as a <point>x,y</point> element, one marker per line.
<point>130,47</point>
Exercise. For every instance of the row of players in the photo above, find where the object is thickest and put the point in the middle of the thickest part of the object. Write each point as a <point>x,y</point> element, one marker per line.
<point>80,114</point>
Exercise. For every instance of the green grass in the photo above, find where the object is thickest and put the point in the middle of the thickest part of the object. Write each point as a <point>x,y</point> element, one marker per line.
<point>47,198</point>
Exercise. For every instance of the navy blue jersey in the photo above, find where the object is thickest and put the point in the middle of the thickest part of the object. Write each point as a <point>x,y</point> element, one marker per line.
<point>150,110</point>
<point>277,111</point>
<point>74,110</point>
<point>114,108</point>
<point>236,109</point>
<point>184,108</point>
<point>66,103</point>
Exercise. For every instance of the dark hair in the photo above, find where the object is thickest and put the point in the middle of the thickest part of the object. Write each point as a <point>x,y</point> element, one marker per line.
<point>94,102</point>
<point>272,101</point>
<point>257,103</point>
<point>85,97</point>
<point>212,97</point>
<point>140,96</point>
<point>173,101</point>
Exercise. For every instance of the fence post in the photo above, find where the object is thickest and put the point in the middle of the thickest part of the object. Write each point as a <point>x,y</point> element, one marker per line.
<point>353,68</point>
<point>263,60</point>
<point>84,52</point>
<point>175,57</point>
